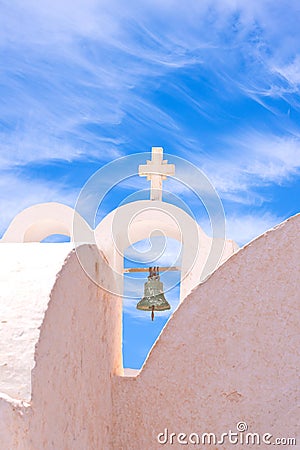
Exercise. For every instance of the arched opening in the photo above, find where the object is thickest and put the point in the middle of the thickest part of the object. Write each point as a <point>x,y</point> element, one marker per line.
<point>130,226</point>
<point>56,238</point>
<point>40,230</point>
<point>139,331</point>
<point>36,223</point>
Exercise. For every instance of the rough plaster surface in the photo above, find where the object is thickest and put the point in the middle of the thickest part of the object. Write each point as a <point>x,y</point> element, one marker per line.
<point>12,430</point>
<point>27,274</point>
<point>77,354</point>
<point>229,353</point>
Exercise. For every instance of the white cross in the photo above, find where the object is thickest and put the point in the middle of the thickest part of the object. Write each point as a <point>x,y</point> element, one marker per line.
<point>156,171</point>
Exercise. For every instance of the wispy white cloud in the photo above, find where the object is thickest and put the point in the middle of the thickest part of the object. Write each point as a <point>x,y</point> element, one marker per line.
<point>242,228</point>
<point>251,160</point>
<point>66,65</point>
<point>59,76</point>
<point>291,72</point>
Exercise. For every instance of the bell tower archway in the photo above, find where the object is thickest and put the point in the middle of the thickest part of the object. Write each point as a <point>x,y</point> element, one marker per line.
<point>145,219</point>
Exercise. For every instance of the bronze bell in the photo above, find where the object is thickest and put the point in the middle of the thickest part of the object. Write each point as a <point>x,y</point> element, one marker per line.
<point>154,298</point>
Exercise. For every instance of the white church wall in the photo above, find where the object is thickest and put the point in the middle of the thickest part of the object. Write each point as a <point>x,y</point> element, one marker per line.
<point>78,353</point>
<point>11,424</point>
<point>229,353</point>
<point>27,275</point>
<point>76,349</point>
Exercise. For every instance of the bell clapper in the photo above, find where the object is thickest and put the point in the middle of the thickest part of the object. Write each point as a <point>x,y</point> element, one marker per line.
<point>152,313</point>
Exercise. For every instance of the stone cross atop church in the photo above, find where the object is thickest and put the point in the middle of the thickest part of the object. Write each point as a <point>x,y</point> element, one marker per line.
<point>156,171</point>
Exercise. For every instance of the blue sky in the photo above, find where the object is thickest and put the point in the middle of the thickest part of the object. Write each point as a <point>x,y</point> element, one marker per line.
<point>83,82</point>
